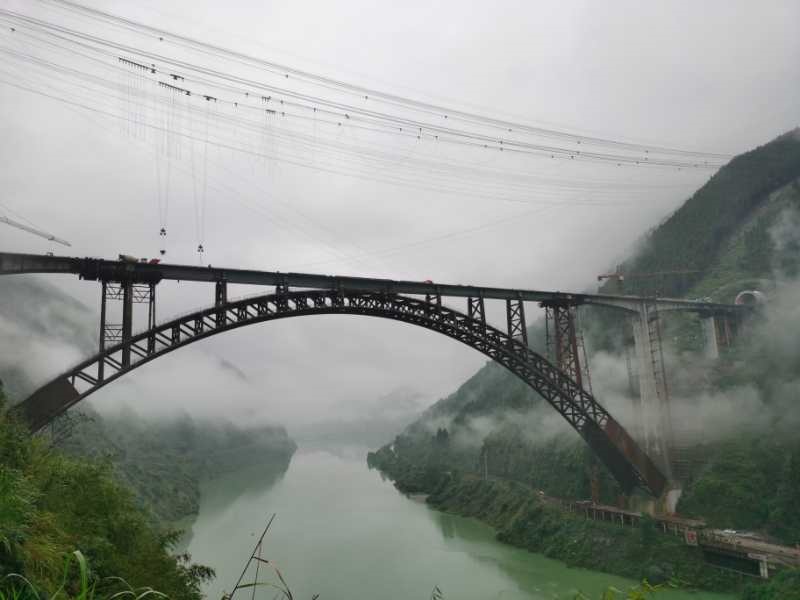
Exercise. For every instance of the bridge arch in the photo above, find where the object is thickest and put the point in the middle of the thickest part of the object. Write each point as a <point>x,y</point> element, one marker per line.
<point>630,466</point>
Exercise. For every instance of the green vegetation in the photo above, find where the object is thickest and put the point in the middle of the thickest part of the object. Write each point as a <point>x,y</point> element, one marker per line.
<point>51,504</point>
<point>524,520</point>
<point>752,483</point>
<point>78,582</point>
<point>642,591</point>
<point>696,234</point>
<point>739,231</point>
<point>164,461</point>
<point>784,586</point>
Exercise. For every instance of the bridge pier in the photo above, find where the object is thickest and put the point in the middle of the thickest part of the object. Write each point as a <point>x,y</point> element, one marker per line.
<point>102,342</point>
<point>763,567</point>
<point>719,331</point>
<point>655,420</point>
<point>220,299</point>
<point>127,321</point>
<point>710,336</point>
<point>130,292</point>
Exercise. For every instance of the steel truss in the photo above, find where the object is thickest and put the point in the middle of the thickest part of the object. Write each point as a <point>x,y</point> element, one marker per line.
<point>613,445</point>
<point>565,342</point>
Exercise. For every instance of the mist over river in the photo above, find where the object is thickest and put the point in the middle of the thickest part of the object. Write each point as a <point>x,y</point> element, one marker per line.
<point>344,532</point>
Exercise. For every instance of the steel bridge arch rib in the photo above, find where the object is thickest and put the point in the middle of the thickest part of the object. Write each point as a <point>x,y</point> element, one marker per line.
<point>630,466</point>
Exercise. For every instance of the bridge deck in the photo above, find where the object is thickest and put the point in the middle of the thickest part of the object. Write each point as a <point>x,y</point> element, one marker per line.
<point>115,270</point>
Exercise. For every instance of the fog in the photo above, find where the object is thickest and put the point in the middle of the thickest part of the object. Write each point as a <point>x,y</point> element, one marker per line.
<point>754,391</point>
<point>719,77</point>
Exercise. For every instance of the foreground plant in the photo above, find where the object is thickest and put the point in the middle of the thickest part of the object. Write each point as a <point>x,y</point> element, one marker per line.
<point>643,591</point>
<point>77,583</point>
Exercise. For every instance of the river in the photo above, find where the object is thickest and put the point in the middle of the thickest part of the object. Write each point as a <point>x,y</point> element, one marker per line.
<point>344,532</point>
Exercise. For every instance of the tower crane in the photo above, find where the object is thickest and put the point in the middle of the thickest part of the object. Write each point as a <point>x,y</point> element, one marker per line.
<point>621,277</point>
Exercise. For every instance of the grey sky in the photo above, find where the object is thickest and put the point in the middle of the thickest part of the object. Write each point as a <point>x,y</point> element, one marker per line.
<point>717,76</point>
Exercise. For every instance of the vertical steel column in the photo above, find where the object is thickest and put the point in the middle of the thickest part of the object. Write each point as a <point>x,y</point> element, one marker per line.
<point>220,299</point>
<point>515,312</point>
<point>433,302</point>
<point>151,308</point>
<point>476,310</point>
<point>102,345</point>
<point>151,319</point>
<point>581,346</point>
<point>127,321</point>
<point>433,299</point>
<point>565,344</point>
<point>281,289</point>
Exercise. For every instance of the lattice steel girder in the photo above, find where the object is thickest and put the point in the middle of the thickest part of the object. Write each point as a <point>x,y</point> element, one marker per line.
<point>624,459</point>
<point>515,314</point>
<point>477,311</point>
<point>140,292</point>
<point>561,318</point>
<point>129,292</point>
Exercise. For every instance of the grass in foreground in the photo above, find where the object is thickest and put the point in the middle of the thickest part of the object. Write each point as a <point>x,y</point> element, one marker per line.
<point>77,583</point>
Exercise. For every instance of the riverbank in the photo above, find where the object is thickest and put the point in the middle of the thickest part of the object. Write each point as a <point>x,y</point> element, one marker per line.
<point>344,531</point>
<point>52,505</point>
<point>165,461</point>
<point>521,519</point>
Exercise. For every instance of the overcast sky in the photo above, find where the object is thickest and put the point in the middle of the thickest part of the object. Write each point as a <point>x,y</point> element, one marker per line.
<point>713,76</point>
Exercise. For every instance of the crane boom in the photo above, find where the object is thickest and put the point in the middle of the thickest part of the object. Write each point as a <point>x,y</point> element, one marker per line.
<point>34,231</point>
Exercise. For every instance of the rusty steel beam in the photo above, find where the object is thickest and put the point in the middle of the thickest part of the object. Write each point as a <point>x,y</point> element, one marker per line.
<point>562,341</point>
<point>610,442</point>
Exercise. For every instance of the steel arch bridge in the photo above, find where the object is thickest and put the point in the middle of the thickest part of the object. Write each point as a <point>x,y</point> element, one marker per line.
<point>608,439</point>
<point>132,280</point>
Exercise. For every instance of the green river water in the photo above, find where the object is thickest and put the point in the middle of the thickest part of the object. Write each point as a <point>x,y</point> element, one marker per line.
<point>345,533</point>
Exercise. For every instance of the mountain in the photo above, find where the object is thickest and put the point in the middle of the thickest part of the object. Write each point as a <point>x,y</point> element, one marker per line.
<point>365,423</point>
<point>162,461</point>
<point>729,208</point>
<point>165,461</point>
<point>741,230</point>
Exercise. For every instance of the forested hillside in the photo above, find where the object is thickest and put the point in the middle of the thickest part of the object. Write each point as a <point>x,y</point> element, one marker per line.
<point>52,505</point>
<point>115,489</point>
<point>164,461</point>
<point>739,231</point>
<point>694,238</point>
<point>161,460</point>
